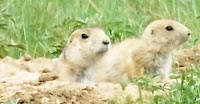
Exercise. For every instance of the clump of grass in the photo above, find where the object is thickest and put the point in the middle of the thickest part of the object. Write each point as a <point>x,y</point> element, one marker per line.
<point>149,83</point>
<point>113,101</point>
<point>182,91</point>
<point>186,91</point>
<point>126,99</point>
<point>124,82</point>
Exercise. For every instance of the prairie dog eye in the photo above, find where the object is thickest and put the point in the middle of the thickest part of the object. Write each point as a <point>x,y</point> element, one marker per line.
<point>169,28</point>
<point>84,36</point>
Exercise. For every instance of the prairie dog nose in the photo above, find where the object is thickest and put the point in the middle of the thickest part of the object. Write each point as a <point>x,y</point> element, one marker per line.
<point>105,42</point>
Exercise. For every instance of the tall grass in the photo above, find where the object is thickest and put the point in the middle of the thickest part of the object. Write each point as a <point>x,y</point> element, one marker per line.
<point>41,27</point>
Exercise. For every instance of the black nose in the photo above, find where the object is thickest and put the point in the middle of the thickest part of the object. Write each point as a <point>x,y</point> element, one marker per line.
<point>105,42</point>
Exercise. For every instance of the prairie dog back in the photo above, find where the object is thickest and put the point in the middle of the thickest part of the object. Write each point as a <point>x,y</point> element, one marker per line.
<point>150,54</point>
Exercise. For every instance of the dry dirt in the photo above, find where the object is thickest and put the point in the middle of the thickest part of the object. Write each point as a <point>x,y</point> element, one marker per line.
<point>19,81</point>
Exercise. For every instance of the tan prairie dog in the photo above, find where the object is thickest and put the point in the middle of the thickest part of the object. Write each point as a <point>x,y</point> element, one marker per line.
<point>84,48</point>
<point>151,54</point>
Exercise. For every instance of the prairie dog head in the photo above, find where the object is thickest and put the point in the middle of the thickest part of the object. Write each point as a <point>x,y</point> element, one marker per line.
<point>169,33</point>
<point>90,41</point>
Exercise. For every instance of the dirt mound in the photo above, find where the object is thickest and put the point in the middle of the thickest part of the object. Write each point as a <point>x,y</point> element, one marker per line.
<point>187,58</point>
<point>19,81</point>
<point>60,92</point>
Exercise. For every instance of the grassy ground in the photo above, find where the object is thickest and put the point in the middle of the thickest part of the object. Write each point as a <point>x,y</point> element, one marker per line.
<point>41,28</point>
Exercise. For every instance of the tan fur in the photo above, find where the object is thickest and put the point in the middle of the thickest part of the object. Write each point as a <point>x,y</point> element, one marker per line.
<point>151,54</point>
<point>81,53</point>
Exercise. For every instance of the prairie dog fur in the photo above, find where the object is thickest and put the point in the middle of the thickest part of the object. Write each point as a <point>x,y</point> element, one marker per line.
<point>84,47</point>
<point>151,54</point>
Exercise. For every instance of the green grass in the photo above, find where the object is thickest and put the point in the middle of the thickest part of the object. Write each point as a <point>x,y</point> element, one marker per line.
<point>40,28</point>
<point>184,91</point>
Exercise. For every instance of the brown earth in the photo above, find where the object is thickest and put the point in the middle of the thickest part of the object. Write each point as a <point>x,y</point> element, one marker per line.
<point>19,80</point>
<point>187,58</point>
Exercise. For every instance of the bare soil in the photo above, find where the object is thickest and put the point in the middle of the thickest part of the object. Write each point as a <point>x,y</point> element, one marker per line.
<point>19,80</point>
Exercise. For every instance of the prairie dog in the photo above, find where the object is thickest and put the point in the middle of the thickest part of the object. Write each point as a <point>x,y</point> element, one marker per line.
<point>84,47</point>
<point>151,54</point>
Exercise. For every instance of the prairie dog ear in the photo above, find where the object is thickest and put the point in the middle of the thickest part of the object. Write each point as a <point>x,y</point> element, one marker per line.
<point>151,32</point>
<point>70,40</point>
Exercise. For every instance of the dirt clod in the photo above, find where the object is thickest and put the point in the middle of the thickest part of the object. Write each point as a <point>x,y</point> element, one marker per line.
<point>27,57</point>
<point>46,71</point>
<point>47,77</point>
